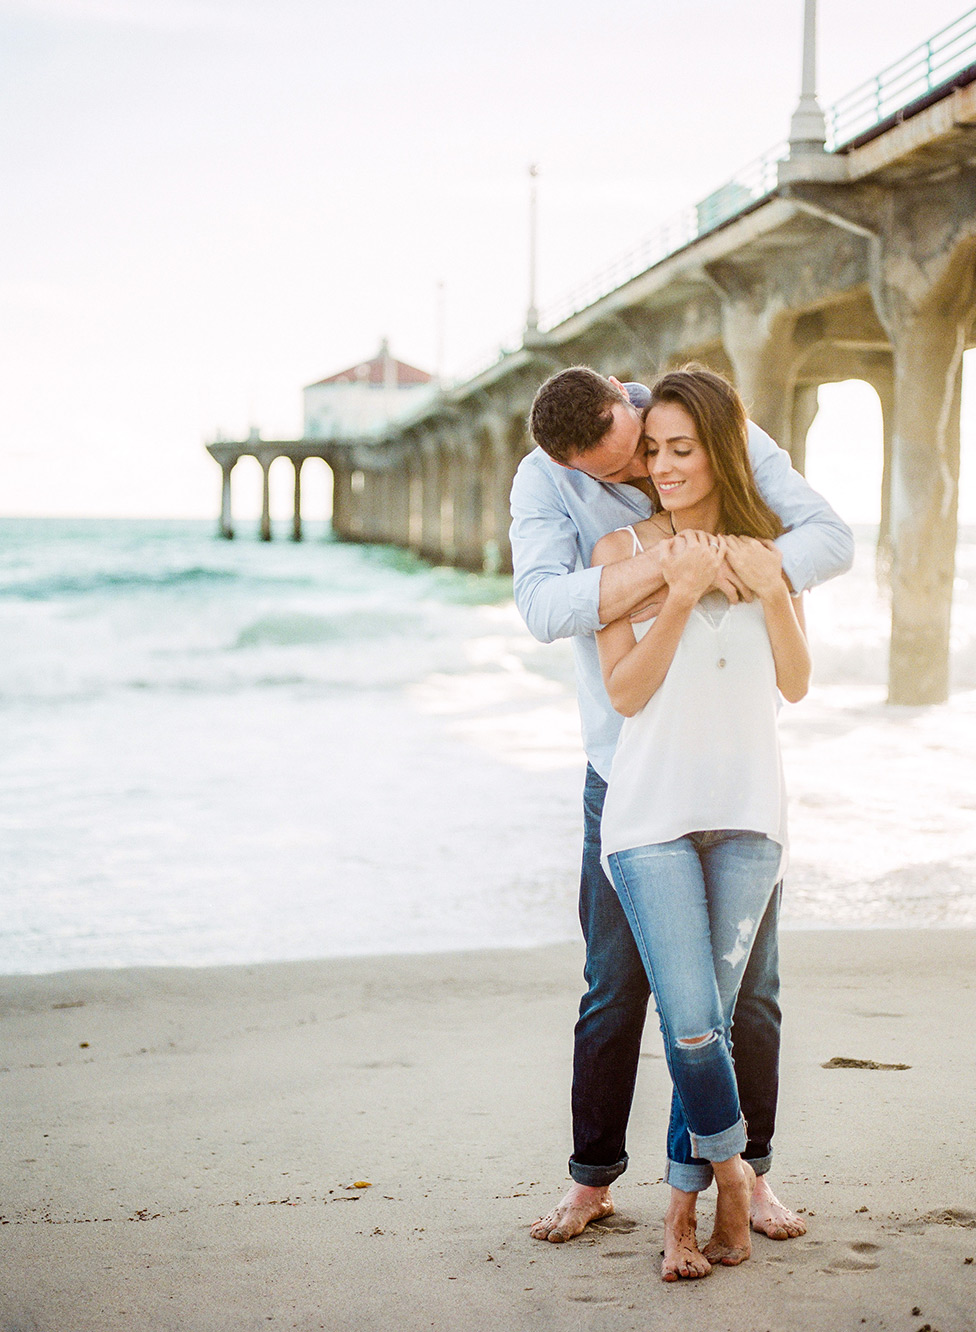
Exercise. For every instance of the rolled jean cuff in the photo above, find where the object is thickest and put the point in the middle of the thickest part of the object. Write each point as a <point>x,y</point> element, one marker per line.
<point>597,1176</point>
<point>760,1164</point>
<point>688,1176</point>
<point>720,1146</point>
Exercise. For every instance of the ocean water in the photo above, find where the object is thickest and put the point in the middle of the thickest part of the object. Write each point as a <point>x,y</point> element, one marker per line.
<point>216,752</point>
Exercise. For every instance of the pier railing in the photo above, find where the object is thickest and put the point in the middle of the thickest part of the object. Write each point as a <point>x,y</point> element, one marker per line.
<point>928,66</point>
<point>747,187</point>
<point>923,69</point>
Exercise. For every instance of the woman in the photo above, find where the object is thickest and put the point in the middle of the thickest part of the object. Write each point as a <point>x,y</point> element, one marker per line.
<point>694,827</point>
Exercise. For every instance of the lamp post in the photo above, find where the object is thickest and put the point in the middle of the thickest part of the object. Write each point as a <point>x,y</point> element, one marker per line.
<point>532,314</point>
<point>808,159</point>
<point>808,129</point>
<point>440,324</point>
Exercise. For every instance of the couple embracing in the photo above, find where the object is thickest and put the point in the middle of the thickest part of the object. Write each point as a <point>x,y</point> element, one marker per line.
<point>671,540</point>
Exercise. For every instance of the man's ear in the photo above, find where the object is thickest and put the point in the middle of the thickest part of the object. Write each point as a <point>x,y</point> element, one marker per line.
<point>618,386</point>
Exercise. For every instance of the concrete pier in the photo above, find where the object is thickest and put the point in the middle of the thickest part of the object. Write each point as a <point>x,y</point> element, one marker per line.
<point>860,263</point>
<point>228,453</point>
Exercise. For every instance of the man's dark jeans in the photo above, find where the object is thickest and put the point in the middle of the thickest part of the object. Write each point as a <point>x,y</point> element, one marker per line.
<point>611,1020</point>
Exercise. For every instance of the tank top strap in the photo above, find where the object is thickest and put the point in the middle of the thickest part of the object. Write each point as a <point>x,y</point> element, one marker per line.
<point>637,545</point>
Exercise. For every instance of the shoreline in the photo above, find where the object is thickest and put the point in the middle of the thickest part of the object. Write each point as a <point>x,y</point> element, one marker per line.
<point>801,927</point>
<point>178,1139</point>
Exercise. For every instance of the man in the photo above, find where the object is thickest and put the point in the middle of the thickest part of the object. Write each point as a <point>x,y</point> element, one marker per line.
<point>587,476</point>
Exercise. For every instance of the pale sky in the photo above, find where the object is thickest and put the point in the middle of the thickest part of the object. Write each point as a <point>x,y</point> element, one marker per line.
<point>210,203</point>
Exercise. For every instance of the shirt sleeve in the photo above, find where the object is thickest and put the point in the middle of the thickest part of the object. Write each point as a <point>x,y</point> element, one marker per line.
<point>555,597</point>
<point>817,544</point>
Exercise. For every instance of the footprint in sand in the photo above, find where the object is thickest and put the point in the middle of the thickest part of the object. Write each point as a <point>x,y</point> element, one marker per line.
<point>620,1253</point>
<point>591,1297</point>
<point>860,1257</point>
<point>944,1216</point>
<point>614,1225</point>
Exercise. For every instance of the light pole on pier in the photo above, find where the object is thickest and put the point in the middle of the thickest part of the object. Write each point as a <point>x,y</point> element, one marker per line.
<point>808,159</point>
<point>439,321</point>
<point>532,313</point>
<point>808,129</point>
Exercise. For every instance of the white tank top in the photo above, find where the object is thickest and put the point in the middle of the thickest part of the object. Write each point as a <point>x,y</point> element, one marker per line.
<point>703,753</point>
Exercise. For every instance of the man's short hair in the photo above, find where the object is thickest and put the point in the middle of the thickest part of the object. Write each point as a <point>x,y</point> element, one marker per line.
<point>572,412</point>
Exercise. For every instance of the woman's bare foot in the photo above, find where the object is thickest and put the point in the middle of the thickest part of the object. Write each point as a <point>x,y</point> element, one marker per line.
<point>581,1205</point>
<point>770,1217</point>
<point>730,1242</point>
<point>683,1260</point>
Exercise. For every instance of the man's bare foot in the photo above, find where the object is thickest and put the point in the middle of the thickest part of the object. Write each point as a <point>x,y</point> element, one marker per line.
<point>683,1260</point>
<point>581,1205</point>
<point>730,1242</point>
<point>769,1216</point>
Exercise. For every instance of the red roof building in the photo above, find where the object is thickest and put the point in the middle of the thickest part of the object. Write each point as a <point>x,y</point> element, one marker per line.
<point>382,371</point>
<point>365,398</point>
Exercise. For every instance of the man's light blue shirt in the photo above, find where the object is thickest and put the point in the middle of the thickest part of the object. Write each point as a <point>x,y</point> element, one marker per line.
<point>559,514</point>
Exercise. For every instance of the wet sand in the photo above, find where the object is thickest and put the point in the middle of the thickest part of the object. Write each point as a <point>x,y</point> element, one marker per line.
<point>183,1148</point>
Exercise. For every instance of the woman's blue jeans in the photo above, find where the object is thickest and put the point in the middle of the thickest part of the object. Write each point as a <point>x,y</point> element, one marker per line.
<point>695,905</point>
<point>607,1038</point>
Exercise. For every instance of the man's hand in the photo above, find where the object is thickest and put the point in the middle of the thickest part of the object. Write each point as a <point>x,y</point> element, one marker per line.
<point>628,585</point>
<point>757,564</point>
<point>649,609</point>
<point>728,582</point>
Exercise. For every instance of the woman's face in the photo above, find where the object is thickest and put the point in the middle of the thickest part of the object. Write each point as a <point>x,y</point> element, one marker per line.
<point>676,459</point>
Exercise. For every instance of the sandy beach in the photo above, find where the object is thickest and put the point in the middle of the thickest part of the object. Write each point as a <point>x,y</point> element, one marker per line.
<point>189,1148</point>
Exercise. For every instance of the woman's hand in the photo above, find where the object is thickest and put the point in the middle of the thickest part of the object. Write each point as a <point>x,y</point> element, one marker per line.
<point>632,669</point>
<point>758,564</point>
<point>690,562</point>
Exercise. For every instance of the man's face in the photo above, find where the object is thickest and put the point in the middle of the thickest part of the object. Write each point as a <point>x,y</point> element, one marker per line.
<point>621,454</point>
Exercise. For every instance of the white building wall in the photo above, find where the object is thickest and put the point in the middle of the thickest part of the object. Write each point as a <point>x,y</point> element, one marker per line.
<point>334,411</point>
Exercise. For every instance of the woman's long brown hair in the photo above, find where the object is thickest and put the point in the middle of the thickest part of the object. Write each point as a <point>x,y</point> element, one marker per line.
<point>720,419</point>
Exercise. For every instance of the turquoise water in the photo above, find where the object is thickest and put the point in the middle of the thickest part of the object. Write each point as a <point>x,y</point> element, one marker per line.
<point>98,604</point>
<point>221,752</point>
<point>214,752</point>
<point>46,558</point>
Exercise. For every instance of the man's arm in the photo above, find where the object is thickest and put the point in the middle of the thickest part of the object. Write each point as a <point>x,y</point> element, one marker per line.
<point>818,544</point>
<point>626,586</point>
<point>555,597</point>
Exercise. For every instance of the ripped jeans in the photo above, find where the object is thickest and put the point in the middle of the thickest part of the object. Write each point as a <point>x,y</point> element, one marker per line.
<point>694,906</point>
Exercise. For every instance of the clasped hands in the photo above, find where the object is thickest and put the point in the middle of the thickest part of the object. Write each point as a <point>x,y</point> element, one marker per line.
<point>694,563</point>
